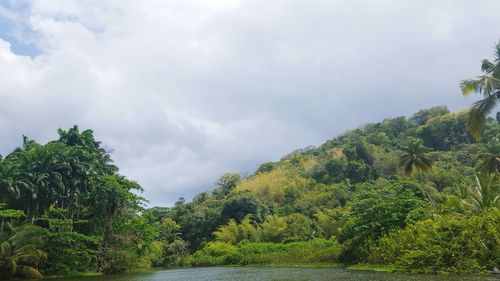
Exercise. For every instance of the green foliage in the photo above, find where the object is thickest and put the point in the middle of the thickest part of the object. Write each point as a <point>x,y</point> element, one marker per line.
<point>330,221</point>
<point>20,252</point>
<point>168,231</point>
<point>299,228</point>
<point>9,214</point>
<point>358,171</point>
<point>484,194</point>
<point>226,184</point>
<point>274,229</point>
<point>488,86</point>
<point>70,252</point>
<point>265,168</point>
<point>444,132</point>
<point>422,116</point>
<point>291,228</point>
<point>241,204</point>
<point>414,158</point>
<point>234,233</point>
<point>198,222</point>
<point>313,251</point>
<point>127,246</point>
<point>489,157</point>
<point>214,253</point>
<point>70,187</point>
<point>175,254</point>
<point>444,244</point>
<point>376,212</point>
<point>348,189</point>
<point>290,211</point>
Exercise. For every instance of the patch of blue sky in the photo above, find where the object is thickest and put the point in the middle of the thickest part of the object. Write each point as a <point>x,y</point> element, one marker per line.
<point>15,28</point>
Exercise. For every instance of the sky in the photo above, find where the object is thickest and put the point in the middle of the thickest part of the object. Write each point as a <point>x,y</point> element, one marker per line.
<point>185,90</point>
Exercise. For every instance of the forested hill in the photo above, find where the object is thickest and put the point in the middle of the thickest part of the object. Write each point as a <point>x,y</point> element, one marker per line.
<point>423,174</point>
<point>409,194</point>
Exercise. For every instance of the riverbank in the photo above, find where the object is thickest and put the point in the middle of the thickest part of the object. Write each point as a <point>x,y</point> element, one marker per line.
<point>373,267</point>
<point>74,274</point>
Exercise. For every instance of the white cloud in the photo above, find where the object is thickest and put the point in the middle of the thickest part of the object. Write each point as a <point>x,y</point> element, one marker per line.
<point>184,91</point>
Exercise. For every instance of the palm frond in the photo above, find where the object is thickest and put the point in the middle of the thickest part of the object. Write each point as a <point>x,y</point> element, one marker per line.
<point>497,52</point>
<point>478,113</point>
<point>470,86</point>
<point>487,66</point>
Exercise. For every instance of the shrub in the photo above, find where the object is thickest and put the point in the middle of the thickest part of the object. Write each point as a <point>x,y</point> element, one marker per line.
<point>70,252</point>
<point>314,251</point>
<point>445,244</point>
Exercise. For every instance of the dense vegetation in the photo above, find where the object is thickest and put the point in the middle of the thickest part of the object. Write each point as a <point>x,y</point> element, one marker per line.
<point>66,209</point>
<point>417,194</point>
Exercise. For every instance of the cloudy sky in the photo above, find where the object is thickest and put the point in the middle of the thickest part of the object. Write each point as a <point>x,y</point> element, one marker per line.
<point>185,90</point>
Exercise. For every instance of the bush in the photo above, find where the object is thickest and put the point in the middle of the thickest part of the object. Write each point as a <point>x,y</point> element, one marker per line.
<point>376,212</point>
<point>445,244</point>
<point>214,253</point>
<point>70,252</point>
<point>314,251</point>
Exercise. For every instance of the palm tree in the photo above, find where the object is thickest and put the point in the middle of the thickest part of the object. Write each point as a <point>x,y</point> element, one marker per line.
<point>20,253</point>
<point>489,157</point>
<point>11,180</point>
<point>414,158</point>
<point>487,85</point>
<point>484,194</point>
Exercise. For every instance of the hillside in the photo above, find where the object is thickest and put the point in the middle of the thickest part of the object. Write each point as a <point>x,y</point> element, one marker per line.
<point>375,185</point>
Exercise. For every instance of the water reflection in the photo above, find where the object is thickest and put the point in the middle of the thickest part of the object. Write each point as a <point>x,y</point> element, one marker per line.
<point>273,274</point>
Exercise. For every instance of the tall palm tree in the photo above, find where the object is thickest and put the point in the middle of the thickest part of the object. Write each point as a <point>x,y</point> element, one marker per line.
<point>20,253</point>
<point>487,85</point>
<point>489,157</point>
<point>414,158</point>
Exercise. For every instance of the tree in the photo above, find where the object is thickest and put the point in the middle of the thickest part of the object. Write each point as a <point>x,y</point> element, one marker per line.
<point>233,233</point>
<point>11,181</point>
<point>241,204</point>
<point>20,253</point>
<point>487,85</point>
<point>489,157</point>
<point>226,184</point>
<point>8,214</point>
<point>168,231</point>
<point>450,243</point>
<point>330,221</point>
<point>485,193</point>
<point>266,167</point>
<point>299,228</point>
<point>424,115</point>
<point>376,212</point>
<point>274,229</point>
<point>414,158</point>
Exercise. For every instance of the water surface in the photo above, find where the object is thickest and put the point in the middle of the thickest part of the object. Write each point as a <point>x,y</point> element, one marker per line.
<point>273,274</point>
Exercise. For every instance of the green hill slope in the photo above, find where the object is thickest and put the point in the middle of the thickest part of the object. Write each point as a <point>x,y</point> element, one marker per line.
<point>341,201</point>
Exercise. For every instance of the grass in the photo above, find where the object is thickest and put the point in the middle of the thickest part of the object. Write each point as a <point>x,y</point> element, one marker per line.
<point>74,274</point>
<point>373,267</point>
<point>300,265</point>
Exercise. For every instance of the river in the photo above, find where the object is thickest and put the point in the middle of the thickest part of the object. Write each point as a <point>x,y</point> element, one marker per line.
<point>272,274</point>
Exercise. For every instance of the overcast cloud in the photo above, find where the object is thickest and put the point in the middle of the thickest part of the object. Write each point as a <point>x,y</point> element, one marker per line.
<point>184,91</point>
